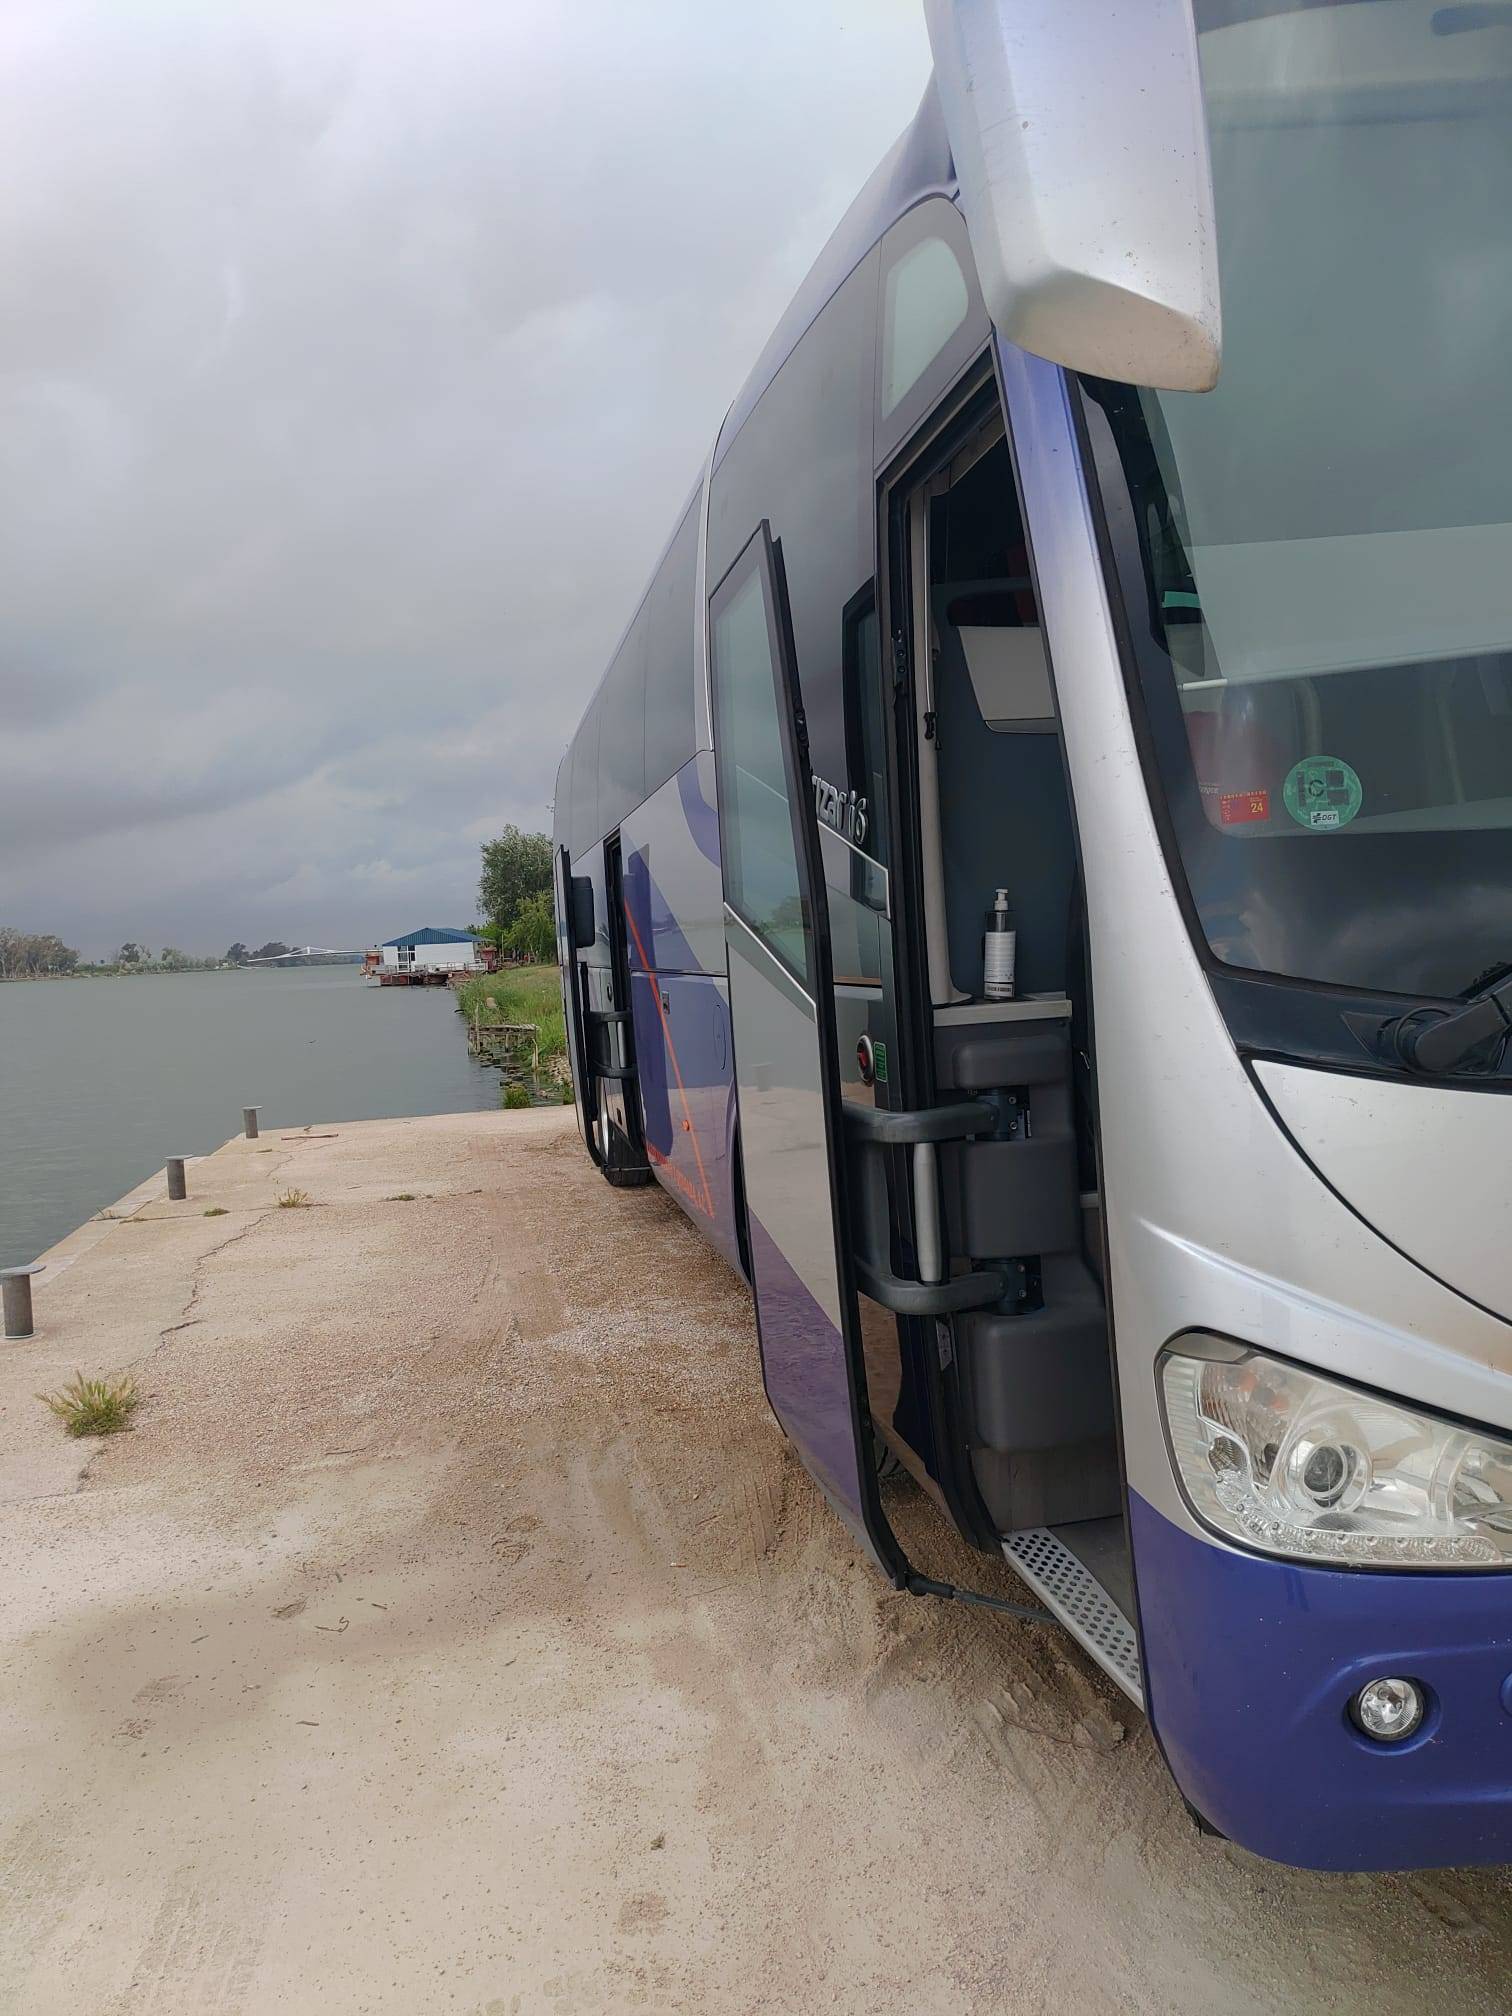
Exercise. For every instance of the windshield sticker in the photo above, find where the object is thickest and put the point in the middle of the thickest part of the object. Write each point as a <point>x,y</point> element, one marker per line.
<point>1322,793</point>
<point>1243,808</point>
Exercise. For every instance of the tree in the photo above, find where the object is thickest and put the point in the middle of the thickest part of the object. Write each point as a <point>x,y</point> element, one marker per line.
<point>132,954</point>
<point>533,932</point>
<point>274,949</point>
<point>236,955</point>
<point>50,955</point>
<point>29,955</point>
<point>516,866</point>
<point>175,960</point>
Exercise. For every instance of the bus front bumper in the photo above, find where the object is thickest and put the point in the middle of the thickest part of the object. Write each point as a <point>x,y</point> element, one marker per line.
<point>1250,1666</point>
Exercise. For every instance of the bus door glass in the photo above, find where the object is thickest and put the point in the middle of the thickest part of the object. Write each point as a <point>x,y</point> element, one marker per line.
<point>786,1068</point>
<point>620,1100</point>
<point>574,910</point>
<point>609,1041</point>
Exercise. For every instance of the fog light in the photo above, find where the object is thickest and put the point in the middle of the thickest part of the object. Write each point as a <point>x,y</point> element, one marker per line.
<point>1388,1709</point>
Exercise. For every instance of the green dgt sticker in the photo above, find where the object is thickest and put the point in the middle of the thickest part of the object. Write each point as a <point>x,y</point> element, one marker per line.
<point>1322,793</point>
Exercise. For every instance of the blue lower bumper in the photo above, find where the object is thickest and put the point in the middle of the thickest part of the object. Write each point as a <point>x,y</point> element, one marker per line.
<point>1250,1665</point>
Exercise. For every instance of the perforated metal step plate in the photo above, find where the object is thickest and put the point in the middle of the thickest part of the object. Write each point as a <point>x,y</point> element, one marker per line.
<point>1081,1603</point>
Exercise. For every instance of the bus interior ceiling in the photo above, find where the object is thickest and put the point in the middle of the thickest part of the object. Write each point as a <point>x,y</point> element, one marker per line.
<point>1037,1382</point>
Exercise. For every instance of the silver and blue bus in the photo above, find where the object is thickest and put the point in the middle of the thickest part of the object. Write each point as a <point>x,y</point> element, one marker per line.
<point>1035,881</point>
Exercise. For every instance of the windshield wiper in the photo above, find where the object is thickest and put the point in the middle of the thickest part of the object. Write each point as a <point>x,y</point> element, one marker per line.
<point>1437,1041</point>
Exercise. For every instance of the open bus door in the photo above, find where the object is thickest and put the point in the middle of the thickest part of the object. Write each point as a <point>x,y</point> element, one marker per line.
<point>610,1035</point>
<point>786,1068</point>
<point>574,909</point>
<point>595,1004</point>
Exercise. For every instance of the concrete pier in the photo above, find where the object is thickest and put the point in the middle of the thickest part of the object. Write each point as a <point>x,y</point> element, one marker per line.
<point>453,1631</point>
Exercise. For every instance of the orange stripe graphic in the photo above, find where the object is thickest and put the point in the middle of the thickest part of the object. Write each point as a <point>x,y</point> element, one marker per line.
<point>650,972</point>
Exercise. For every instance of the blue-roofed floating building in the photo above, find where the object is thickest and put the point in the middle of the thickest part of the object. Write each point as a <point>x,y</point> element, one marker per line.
<point>431,957</point>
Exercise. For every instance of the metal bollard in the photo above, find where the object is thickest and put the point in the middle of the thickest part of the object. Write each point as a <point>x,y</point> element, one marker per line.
<point>177,1188</point>
<point>249,1121</point>
<point>15,1283</point>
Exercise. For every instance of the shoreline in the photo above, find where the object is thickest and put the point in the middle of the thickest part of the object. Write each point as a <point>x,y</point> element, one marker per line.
<point>56,1259</point>
<point>169,972</point>
<point>112,1081</point>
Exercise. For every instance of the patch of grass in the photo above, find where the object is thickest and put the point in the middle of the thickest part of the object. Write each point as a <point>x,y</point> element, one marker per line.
<point>401,1197</point>
<point>94,1406</point>
<point>216,1211</point>
<point>515,1097</point>
<point>567,1095</point>
<point>519,994</point>
<point>293,1200</point>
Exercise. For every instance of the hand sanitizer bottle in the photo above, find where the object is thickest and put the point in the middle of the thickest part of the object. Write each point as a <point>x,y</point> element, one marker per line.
<point>999,950</point>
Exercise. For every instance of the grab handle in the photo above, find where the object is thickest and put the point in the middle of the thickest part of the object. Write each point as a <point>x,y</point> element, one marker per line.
<point>933,1294</point>
<point>926,1184</point>
<point>957,1120</point>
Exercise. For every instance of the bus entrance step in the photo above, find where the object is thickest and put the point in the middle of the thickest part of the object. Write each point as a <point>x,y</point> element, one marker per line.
<point>1074,1594</point>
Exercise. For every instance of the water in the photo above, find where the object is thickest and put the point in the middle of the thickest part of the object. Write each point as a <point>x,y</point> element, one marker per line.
<point>100,1080</point>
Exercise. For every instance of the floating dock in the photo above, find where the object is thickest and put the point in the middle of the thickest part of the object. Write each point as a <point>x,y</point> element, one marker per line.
<point>413,976</point>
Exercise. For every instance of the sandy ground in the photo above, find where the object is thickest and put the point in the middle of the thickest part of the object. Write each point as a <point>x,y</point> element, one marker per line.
<point>454,1632</point>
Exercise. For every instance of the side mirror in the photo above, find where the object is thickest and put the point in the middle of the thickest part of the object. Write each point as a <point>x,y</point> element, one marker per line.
<point>580,923</point>
<point>1080,142</point>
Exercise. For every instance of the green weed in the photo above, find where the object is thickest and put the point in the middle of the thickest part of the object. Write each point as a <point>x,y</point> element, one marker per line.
<point>93,1406</point>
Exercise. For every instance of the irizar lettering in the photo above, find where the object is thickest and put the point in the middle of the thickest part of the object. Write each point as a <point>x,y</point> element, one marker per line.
<point>845,811</point>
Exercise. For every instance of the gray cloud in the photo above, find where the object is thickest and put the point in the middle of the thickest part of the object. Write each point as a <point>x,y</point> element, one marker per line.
<point>354,361</point>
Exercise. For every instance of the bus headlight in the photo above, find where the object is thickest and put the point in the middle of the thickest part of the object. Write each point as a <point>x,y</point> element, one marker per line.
<point>1279,1458</point>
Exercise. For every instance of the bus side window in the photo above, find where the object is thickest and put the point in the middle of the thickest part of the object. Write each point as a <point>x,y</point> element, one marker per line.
<point>622,734</point>
<point>867,696</point>
<point>866,705</point>
<point>924,303</point>
<point>761,867</point>
<point>858,898</point>
<point>670,702</point>
<point>932,321</point>
<point>583,833</point>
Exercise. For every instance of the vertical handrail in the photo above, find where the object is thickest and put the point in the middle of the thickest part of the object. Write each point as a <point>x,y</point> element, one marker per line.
<point>935,1292</point>
<point>927,1211</point>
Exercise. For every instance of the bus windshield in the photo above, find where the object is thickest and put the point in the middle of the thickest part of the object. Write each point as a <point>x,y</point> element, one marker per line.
<point>1317,555</point>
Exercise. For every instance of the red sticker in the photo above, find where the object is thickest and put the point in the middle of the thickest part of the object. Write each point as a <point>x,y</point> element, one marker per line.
<point>1241,808</point>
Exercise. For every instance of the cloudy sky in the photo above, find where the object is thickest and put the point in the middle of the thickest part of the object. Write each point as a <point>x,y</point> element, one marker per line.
<point>354,362</point>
